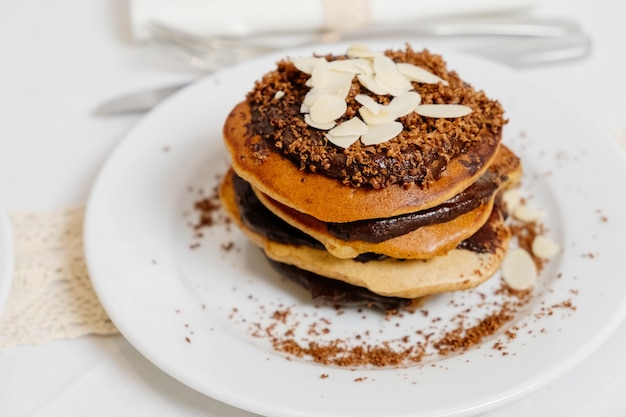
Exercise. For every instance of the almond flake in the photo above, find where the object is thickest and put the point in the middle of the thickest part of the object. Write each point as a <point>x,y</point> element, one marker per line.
<point>371,84</point>
<point>544,247</point>
<point>387,75</point>
<point>518,269</point>
<point>279,94</point>
<point>443,110</point>
<point>362,51</point>
<point>306,64</point>
<point>309,99</point>
<point>511,198</point>
<point>527,213</point>
<point>353,66</point>
<point>368,102</point>
<point>383,116</point>
<point>342,141</point>
<point>354,126</point>
<point>321,126</point>
<point>346,133</point>
<point>333,82</point>
<point>404,104</point>
<point>327,108</point>
<point>381,133</point>
<point>419,74</point>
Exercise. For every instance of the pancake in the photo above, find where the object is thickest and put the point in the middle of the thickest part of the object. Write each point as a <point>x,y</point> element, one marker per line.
<point>328,199</point>
<point>371,177</point>
<point>338,293</point>
<point>456,270</point>
<point>432,239</point>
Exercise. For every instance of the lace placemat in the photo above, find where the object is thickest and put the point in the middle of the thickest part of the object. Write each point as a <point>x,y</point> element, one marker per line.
<point>51,296</point>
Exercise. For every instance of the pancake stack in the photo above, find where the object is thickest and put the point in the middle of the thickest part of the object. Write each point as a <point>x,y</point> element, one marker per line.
<point>371,178</point>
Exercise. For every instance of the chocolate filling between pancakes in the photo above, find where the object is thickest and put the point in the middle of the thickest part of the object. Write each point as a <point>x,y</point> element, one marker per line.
<point>260,219</point>
<point>378,230</point>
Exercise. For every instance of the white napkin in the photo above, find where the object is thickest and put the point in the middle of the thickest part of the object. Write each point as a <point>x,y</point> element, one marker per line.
<point>244,17</point>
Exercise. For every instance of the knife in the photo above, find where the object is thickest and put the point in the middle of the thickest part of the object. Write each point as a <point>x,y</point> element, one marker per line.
<point>514,53</point>
<point>138,102</point>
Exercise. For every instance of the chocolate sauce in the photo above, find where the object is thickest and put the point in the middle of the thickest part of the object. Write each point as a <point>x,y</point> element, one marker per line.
<point>487,239</point>
<point>379,230</point>
<point>261,220</point>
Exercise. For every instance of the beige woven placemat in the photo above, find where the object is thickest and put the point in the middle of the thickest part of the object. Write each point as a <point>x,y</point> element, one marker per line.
<point>51,296</point>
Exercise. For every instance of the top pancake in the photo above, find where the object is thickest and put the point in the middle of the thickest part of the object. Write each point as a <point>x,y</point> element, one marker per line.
<point>293,160</point>
<point>328,199</point>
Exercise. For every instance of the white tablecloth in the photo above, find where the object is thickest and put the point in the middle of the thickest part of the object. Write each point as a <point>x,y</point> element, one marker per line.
<point>59,59</point>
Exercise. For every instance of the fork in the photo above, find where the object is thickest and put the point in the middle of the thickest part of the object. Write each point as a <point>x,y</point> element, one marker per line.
<point>518,40</point>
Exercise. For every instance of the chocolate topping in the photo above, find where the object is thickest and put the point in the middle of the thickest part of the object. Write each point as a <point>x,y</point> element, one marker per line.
<point>419,154</point>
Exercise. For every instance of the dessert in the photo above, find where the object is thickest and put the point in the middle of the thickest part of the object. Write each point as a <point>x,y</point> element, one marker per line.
<point>372,177</point>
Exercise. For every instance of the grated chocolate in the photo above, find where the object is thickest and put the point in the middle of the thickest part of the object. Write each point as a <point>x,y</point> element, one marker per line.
<point>419,154</point>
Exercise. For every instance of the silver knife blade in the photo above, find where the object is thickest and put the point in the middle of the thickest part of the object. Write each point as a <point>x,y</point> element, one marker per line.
<point>137,102</point>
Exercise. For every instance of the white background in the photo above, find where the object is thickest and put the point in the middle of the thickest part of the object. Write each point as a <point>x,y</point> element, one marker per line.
<point>60,59</point>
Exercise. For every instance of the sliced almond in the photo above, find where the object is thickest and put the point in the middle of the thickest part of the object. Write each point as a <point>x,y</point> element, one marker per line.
<point>348,132</point>
<point>419,74</point>
<point>368,102</point>
<point>518,269</point>
<point>404,104</point>
<point>279,94</point>
<point>352,66</point>
<point>333,82</point>
<point>327,108</point>
<point>362,51</point>
<point>321,126</point>
<point>371,84</point>
<point>383,116</point>
<point>387,75</point>
<point>511,198</point>
<point>309,99</point>
<point>353,126</point>
<point>306,64</point>
<point>443,111</point>
<point>381,133</point>
<point>528,213</point>
<point>342,141</point>
<point>320,66</point>
<point>544,247</point>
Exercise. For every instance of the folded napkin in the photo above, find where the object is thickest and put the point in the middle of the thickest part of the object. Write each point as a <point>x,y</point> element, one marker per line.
<point>246,17</point>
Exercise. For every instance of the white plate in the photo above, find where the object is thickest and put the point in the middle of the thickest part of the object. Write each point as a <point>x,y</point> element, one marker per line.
<point>6,258</point>
<point>191,311</point>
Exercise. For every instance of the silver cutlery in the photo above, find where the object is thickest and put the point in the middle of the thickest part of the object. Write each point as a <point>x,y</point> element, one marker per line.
<point>517,42</point>
<point>210,53</point>
<point>137,102</point>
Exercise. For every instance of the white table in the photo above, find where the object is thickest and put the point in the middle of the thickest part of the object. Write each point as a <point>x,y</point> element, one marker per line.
<point>62,58</point>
